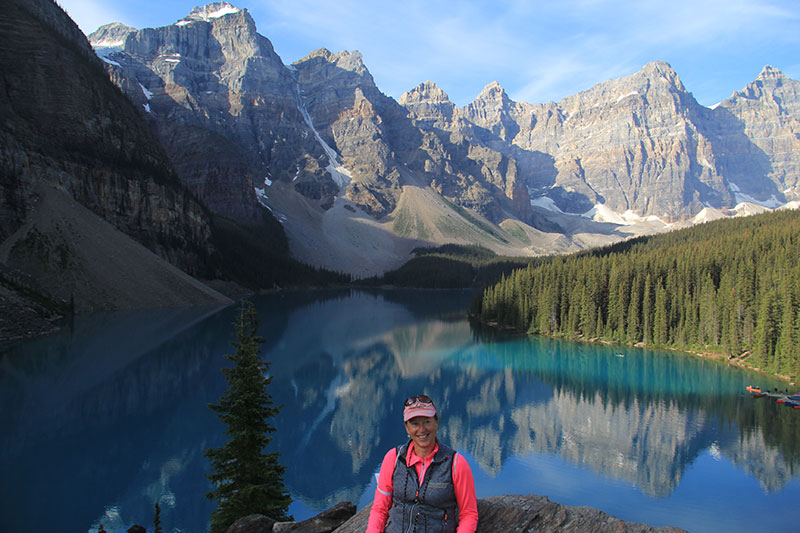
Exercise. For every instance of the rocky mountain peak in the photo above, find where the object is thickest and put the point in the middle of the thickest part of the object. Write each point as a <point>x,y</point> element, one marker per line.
<point>209,12</point>
<point>329,65</point>
<point>427,91</point>
<point>640,142</point>
<point>492,109</point>
<point>766,83</point>
<point>427,102</point>
<point>354,60</point>
<point>761,129</point>
<point>659,69</point>
<point>771,73</point>
<point>661,73</point>
<point>493,91</point>
<point>110,35</point>
<point>324,53</point>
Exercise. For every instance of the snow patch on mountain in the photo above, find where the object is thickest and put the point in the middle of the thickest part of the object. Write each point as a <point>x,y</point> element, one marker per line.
<point>745,209</point>
<point>624,96</point>
<point>208,13</point>
<point>106,49</point>
<point>147,93</point>
<point>771,203</point>
<point>109,43</point>
<point>602,213</point>
<point>707,214</point>
<point>108,60</point>
<point>742,198</point>
<point>341,176</point>
<point>546,202</point>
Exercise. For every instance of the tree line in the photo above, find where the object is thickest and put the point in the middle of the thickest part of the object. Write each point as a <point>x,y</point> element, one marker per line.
<point>451,266</point>
<point>730,286</point>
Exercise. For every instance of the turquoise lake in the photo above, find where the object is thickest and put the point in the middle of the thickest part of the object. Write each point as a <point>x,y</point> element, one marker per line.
<point>106,418</point>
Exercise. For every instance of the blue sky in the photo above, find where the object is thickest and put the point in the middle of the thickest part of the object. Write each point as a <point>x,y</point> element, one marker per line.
<point>537,50</point>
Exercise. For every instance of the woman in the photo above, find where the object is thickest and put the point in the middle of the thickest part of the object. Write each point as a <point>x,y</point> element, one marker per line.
<point>424,486</point>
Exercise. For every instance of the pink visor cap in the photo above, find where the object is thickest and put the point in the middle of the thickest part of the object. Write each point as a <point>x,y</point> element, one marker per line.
<point>418,409</point>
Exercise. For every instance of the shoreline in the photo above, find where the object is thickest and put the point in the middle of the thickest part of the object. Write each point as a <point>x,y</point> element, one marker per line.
<point>735,361</point>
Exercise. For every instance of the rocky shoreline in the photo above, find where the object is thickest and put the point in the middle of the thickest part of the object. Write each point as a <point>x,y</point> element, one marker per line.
<point>519,513</point>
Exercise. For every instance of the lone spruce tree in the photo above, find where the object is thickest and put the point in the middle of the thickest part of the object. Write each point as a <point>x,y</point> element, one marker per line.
<point>246,480</point>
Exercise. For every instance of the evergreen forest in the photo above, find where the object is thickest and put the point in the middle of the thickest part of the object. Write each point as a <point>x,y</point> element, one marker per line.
<point>451,266</point>
<point>730,286</point>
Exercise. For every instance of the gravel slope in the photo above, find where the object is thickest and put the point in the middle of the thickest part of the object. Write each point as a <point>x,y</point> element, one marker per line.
<point>73,253</point>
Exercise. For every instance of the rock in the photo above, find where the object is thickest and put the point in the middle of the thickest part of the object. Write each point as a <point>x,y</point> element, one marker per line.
<point>221,100</point>
<point>229,112</point>
<point>136,528</point>
<point>69,130</point>
<point>233,119</point>
<point>517,513</point>
<point>325,522</point>
<point>538,513</point>
<point>758,130</point>
<point>68,127</point>
<point>255,523</point>
<point>641,142</point>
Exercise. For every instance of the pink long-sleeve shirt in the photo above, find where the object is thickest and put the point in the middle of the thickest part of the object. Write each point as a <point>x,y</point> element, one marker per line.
<point>462,481</point>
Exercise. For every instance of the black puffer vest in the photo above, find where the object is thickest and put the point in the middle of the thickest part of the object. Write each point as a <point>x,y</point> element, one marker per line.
<point>426,507</point>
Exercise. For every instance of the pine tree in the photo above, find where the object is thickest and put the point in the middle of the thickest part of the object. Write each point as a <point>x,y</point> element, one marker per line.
<point>246,480</point>
<point>647,310</point>
<point>766,331</point>
<point>634,333</point>
<point>157,520</point>
<point>660,326</point>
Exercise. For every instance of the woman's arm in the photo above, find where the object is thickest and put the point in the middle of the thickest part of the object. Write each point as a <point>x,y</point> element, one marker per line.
<point>465,495</point>
<point>382,502</point>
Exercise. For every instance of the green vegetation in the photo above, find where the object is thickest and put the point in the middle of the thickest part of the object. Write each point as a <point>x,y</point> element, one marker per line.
<point>474,221</point>
<point>246,480</point>
<point>410,224</point>
<point>516,231</point>
<point>451,266</point>
<point>157,520</point>
<point>730,286</point>
<point>471,252</point>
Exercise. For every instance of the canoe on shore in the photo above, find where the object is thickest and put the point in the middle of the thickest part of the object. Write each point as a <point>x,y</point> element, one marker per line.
<point>789,400</point>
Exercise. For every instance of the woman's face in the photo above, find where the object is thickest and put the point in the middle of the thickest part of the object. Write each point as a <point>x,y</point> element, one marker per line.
<point>422,430</point>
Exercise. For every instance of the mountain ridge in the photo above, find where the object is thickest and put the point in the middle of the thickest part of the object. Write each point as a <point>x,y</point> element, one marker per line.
<point>629,156</point>
<point>623,151</point>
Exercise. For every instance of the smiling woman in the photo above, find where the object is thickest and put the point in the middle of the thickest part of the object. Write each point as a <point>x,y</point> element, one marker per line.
<point>423,484</point>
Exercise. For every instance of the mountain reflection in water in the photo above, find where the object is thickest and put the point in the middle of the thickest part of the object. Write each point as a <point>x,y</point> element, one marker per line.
<point>107,419</point>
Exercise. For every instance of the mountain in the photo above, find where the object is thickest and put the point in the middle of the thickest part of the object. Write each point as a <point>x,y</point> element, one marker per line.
<point>62,119</point>
<point>222,160</point>
<point>641,144</point>
<point>337,161</point>
<point>358,179</point>
<point>224,103</point>
<point>75,154</point>
<point>759,130</point>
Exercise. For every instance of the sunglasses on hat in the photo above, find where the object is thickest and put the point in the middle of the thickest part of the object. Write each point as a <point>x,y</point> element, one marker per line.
<point>423,398</point>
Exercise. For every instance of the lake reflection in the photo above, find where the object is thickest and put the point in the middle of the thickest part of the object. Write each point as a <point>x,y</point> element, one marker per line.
<point>100,423</point>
